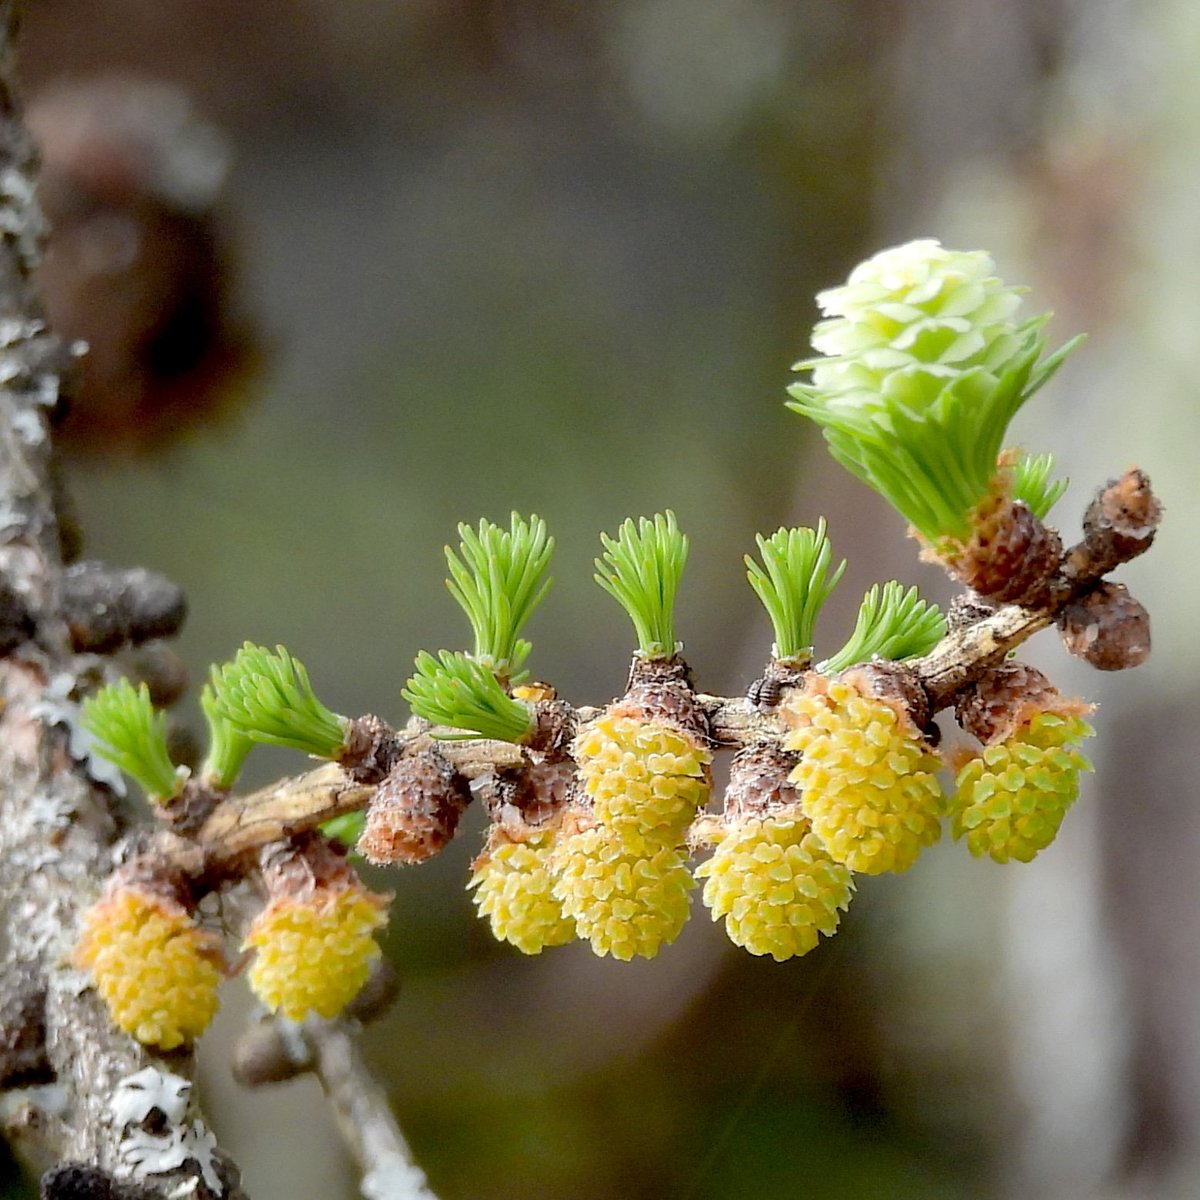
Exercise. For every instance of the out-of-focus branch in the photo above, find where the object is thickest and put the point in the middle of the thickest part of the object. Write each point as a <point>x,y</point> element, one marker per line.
<point>363,1116</point>
<point>126,1114</point>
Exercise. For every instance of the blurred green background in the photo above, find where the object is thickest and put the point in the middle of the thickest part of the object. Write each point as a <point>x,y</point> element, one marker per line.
<point>558,257</point>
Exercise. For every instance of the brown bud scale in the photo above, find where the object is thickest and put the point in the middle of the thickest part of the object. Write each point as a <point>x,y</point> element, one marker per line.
<point>415,811</point>
<point>1106,627</point>
<point>1011,556</point>
<point>758,781</point>
<point>1007,696</point>
<point>530,796</point>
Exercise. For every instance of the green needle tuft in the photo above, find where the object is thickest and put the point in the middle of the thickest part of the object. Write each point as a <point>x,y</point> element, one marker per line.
<point>457,690</point>
<point>497,579</point>
<point>1033,486</point>
<point>640,568</point>
<point>892,624</point>
<point>132,735</point>
<point>267,697</point>
<point>793,582</point>
<point>227,746</point>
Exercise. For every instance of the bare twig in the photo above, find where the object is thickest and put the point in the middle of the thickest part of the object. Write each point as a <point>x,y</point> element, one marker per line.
<point>364,1118</point>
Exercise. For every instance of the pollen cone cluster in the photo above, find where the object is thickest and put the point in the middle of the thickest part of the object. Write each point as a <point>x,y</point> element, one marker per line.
<point>625,903</point>
<point>314,952</point>
<point>622,874</point>
<point>1011,797</point>
<point>646,777</point>
<point>314,938</point>
<point>866,775</point>
<point>774,883</point>
<point>155,968</point>
<point>512,883</point>
<point>512,878</point>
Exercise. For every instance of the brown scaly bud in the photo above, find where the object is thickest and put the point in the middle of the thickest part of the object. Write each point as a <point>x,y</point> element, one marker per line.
<point>370,749</point>
<point>662,688</point>
<point>531,795</point>
<point>415,811</point>
<point>1106,627</point>
<point>1119,524</point>
<point>264,1053</point>
<point>1011,556</point>
<point>105,607</point>
<point>157,666</point>
<point>1006,697</point>
<point>770,688</point>
<point>758,781</point>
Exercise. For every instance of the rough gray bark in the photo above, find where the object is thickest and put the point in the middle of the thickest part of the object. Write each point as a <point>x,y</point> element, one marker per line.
<point>56,830</point>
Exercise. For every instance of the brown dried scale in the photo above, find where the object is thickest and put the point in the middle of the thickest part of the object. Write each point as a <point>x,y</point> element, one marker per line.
<point>415,811</point>
<point>371,749</point>
<point>663,689</point>
<point>758,781</point>
<point>1011,557</point>
<point>770,688</point>
<point>1106,627</point>
<point>899,686</point>
<point>1000,700</point>
<point>531,795</point>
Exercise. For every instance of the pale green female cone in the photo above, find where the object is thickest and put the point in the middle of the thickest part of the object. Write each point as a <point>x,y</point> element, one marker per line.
<point>923,366</point>
<point>910,318</point>
<point>1012,794</point>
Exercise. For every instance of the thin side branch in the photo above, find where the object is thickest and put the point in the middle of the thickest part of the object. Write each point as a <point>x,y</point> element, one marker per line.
<point>364,1118</point>
<point>1120,525</point>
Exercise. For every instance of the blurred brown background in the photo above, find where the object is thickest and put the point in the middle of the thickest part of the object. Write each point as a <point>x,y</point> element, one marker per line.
<point>558,257</point>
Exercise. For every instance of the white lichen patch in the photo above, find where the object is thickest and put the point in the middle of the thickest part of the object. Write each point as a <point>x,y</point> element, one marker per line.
<point>137,1096</point>
<point>56,707</point>
<point>147,1154</point>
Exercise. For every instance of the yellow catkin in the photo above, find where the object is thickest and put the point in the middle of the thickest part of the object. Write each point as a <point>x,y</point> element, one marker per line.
<point>624,904</point>
<point>866,777</point>
<point>777,888</point>
<point>155,968</point>
<point>512,883</point>
<point>1011,798</point>
<point>646,778</point>
<point>314,951</point>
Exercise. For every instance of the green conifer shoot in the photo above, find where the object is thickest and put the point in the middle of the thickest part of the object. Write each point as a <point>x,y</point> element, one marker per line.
<point>922,369</point>
<point>132,735</point>
<point>893,624</point>
<point>497,578</point>
<point>640,568</point>
<point>458,691</point>
<point>793,582</point>
<point>267,697</point>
